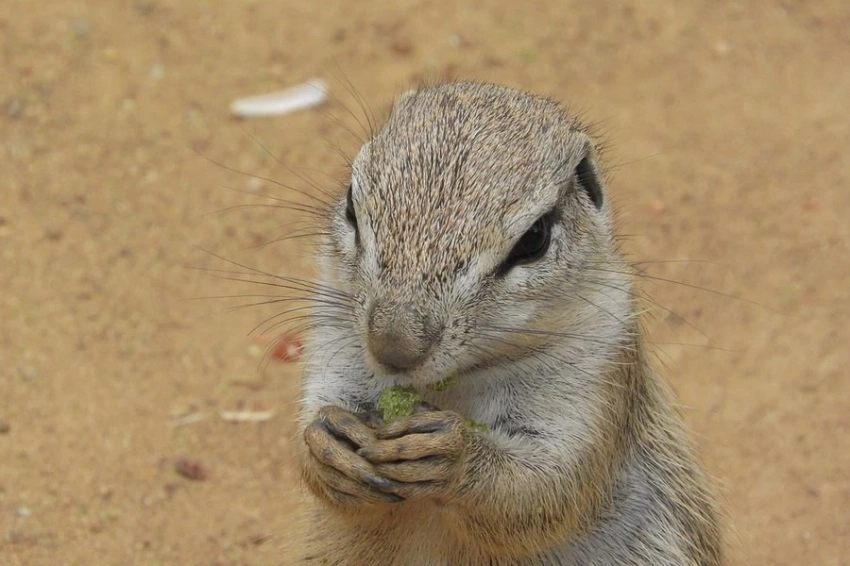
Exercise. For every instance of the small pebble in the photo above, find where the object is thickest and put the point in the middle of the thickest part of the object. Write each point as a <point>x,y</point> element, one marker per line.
<point>26,372</point>
<point>721,47</point>
<point>401,46</point>
<point>257,540</point>
<point>157,72</point>
<point>181,410</point>
<point>170,489</point>
<point>145,8</point>
<point>195,119</point>
<point>287,349</point>
<point>190,469</point>
<point>254,184</point>
<point>81,27</point>
<point>24,512</point>
<point>15,108</point>
<point>656,206</point>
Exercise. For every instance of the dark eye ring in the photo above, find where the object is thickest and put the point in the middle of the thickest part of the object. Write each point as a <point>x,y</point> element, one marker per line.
<point>350,215</point>
<point>532,246</point>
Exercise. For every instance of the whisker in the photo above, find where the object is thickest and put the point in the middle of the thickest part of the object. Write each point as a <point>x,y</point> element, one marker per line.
<point>261,178</point>
<point>271,284</point>
<point>304,179</point>
<point>666,261</point>
<point>282,204</point>
<point>559,360</point>
<point>688,285</point>
<point>594,305</point>
<point>347,341</point>
<point>342,124</point>
<point>367,113</point>
<point>303,283</point>
<point>308,321</point>
<point>643,296</point>
<point>538,332</point>
<point>332,312</point>
<point>275,301</point>
<point>294,235</point>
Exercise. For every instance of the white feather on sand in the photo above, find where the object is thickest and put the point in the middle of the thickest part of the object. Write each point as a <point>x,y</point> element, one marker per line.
<point>300,97</point>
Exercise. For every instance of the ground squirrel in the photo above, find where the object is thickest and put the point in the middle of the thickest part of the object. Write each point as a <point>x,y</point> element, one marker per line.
<point>475,242</point>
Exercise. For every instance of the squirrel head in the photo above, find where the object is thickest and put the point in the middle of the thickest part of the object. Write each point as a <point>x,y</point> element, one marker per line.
<point>466,233</point>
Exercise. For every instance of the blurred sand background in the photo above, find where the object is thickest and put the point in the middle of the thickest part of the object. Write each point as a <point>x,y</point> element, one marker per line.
<point>728,131</point>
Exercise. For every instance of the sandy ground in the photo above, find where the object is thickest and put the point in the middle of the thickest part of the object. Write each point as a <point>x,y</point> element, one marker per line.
<point>727,131</point>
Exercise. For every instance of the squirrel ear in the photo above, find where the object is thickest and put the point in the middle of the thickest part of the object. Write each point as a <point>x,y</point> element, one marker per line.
<point>588,178</point>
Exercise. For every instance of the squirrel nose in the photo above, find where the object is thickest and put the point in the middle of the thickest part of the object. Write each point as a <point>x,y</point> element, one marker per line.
<point>399,337</point>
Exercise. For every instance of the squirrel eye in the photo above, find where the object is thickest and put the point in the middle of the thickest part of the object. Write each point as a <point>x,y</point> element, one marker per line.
<point>350,216</point>
<point>532,246</point>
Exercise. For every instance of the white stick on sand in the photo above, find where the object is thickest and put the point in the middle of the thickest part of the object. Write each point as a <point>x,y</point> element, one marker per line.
<point>246,416</point>
<point>303,96</point>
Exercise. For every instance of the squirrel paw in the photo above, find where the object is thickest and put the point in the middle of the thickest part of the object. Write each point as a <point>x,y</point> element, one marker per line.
<point>334,471</point>
<point>423,455</point>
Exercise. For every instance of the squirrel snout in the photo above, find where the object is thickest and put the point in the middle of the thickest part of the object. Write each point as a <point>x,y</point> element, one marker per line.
<point>400,336</point>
